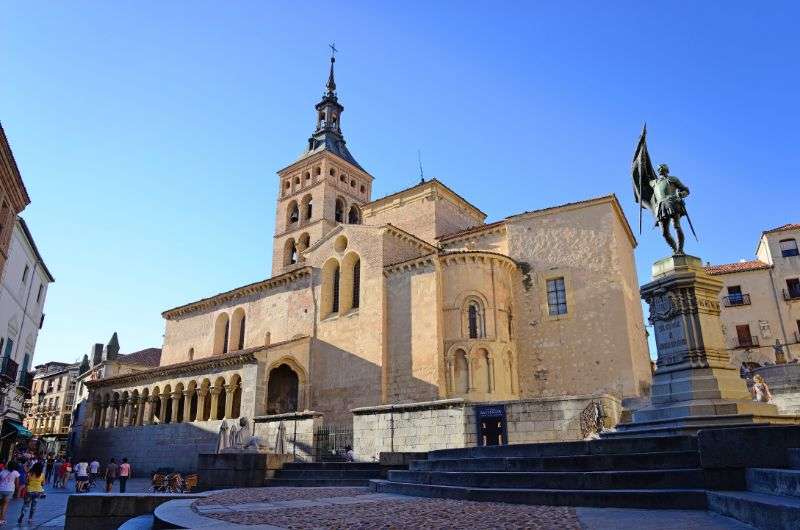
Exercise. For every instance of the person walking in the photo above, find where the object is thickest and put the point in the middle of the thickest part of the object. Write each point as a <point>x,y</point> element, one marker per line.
<point>48,467</point>
<point>94,470</point>
<point>112,469</point>
<point>36,478</point>
<point>56,471</point>
<point>124,474</point>
<point>22,489</point>
<point>9,480</point>
<point>81,476</point>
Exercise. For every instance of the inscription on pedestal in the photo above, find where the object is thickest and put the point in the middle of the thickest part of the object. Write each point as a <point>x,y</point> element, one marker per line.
<point>670,340</point>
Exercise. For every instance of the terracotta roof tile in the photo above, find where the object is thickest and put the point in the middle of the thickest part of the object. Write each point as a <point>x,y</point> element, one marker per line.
<point>470,230</point>
<point>788,226</point>
<point>146,357</point>
<point>742,266</point>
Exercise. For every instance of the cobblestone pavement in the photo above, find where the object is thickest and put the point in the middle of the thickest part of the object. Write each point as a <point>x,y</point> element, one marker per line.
<point>316,508</point>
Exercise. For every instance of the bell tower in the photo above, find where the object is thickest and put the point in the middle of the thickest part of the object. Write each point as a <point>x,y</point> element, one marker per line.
<point>324,187</point>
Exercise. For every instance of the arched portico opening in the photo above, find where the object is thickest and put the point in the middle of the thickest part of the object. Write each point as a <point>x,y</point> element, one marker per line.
<point>283,387</point>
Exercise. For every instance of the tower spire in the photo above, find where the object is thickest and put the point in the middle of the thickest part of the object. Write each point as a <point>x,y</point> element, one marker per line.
<point>331,86</point>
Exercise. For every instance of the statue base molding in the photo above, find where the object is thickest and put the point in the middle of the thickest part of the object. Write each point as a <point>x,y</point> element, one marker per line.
<point>694,385</point>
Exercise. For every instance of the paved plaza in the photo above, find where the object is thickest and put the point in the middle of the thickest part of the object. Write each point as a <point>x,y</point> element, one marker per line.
<point>307,508</point>
<point>50,511</point>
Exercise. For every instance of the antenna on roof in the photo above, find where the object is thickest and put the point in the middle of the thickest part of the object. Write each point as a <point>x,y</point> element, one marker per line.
<point>421,174</point>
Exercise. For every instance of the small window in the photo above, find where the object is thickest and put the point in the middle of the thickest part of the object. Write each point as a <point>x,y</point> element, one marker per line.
<point>335,305</point>
<point>472,318</point>
<point>191,354</point>
<point>352,183</point>
<point>332,172</point>
<point>339,213</point>
<point>307,175</point>
<point>356,283</point>
<point>793,286</point>
<point>556,296</point>
<point>342,178</point>
<point>25,273</point>
<point>287,184</point>
<point>363,189</point>
<point>39,293</point>
<point>297,180</point>
<point>317,170</point>
<point>789,248</point>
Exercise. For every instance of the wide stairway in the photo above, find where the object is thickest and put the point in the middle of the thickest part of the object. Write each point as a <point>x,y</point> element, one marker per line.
<point>772,499</point>
<point>646,472</point>
<point>299,474</point>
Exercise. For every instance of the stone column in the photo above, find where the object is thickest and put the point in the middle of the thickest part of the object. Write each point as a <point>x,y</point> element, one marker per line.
<point>162,412</point>
<point>201,403</point>
<point>112,414</point>
<point>215,392</point>
<point>175,403</point>
<point>103,408</point>
<point>130,416</point>
<point>150,409</point>
<point>229,390</point>
<point>490,366</point>
<point>187,405</point>
<point>472,365</point>
<point>140,410</point>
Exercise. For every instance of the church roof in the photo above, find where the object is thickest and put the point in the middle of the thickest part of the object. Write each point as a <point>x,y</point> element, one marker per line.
<point>146,357</point>
<point>333,145</point>
<point>420,185</point>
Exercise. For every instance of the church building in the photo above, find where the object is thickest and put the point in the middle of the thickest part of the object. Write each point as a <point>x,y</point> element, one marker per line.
<point>407,298</point>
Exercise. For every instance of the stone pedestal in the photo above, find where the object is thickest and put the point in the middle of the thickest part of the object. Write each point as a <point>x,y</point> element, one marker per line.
<point>237,469</point>
<point>694,386</point>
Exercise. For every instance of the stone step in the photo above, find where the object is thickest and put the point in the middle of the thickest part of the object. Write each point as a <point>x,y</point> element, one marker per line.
<point>329,473</point>
<point>331,465</point>
<point>691,499</point>
<point>784,482</point>
<point>794,458</point>
<point>633,444</point>
<point>143,522</point>
<point>316,483</point>
<point>549,480</point>
<point>634,461</point>
<point>761,510</point>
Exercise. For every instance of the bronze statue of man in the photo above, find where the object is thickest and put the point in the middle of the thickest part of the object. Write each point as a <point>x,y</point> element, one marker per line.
<point>663,194</point>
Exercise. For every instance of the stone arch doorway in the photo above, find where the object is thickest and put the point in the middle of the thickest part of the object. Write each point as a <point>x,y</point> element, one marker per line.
<point>283,387</point>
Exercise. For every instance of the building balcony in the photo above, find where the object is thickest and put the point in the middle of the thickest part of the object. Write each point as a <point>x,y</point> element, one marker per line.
<point>734,300</point>
<point>8,369</point>
<point>791,294</point>
<point>747,342</point>
<point>26,382</point>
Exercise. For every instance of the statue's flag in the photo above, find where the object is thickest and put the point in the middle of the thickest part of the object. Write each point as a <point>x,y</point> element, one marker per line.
<point>642,172</point>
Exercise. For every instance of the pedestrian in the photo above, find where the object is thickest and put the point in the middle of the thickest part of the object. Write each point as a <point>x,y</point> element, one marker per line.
<point>56,471</point>
<point>81,476</point>
<point>22,490</point>
<point>124,474</point>
<point>36,480</point>
<point>94,470</point>
<point>112,469</point>
<point>9,481</point>
<point>63,476</point>
<point>48,468</point>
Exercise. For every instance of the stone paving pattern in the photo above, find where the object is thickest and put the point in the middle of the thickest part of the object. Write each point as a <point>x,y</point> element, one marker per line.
<point>317,508</point>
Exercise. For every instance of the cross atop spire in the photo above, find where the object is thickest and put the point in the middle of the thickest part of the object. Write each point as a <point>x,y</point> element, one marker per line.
<point>331,86</point>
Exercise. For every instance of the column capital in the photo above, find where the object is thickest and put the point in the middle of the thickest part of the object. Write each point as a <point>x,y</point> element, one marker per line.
<point>201,391</point>
<point>215,391</point>
<point>188,393</point>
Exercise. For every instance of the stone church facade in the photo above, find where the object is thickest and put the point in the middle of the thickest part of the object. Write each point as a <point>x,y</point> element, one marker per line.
<point>407,298</point>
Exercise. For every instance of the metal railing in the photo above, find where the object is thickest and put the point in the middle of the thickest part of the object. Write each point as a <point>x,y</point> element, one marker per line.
<point>743,342</point>
<point>733,300</point>
<point>791,294</point>
<point>330,442</point>
<point>8,369</point>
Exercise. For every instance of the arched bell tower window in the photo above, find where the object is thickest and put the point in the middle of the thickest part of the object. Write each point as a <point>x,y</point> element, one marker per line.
<point>308,207</point>
<point>354,216</point>
<point>290,252</point>
<point>292,213</point>
<point>339,214</point>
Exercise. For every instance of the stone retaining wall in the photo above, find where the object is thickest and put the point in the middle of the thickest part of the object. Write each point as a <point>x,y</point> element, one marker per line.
<point>298,432</point>
<point>149,447</point>
<point>784,384</point>
<point>451,423</point>
<point>101,511</point>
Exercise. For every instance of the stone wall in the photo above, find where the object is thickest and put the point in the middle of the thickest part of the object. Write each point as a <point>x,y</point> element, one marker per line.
<point>451,423</point>
<point>298,433</point>
<point>149,447</point>
<point>413,427</point>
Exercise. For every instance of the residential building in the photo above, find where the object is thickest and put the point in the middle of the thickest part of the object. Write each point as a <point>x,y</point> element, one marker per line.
<point>23,292</point>
<point>53,394</point>
<point>13,196</point>
<point>761,299</point>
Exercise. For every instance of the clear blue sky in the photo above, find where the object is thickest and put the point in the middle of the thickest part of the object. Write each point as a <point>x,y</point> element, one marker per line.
<point>149,133</point>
